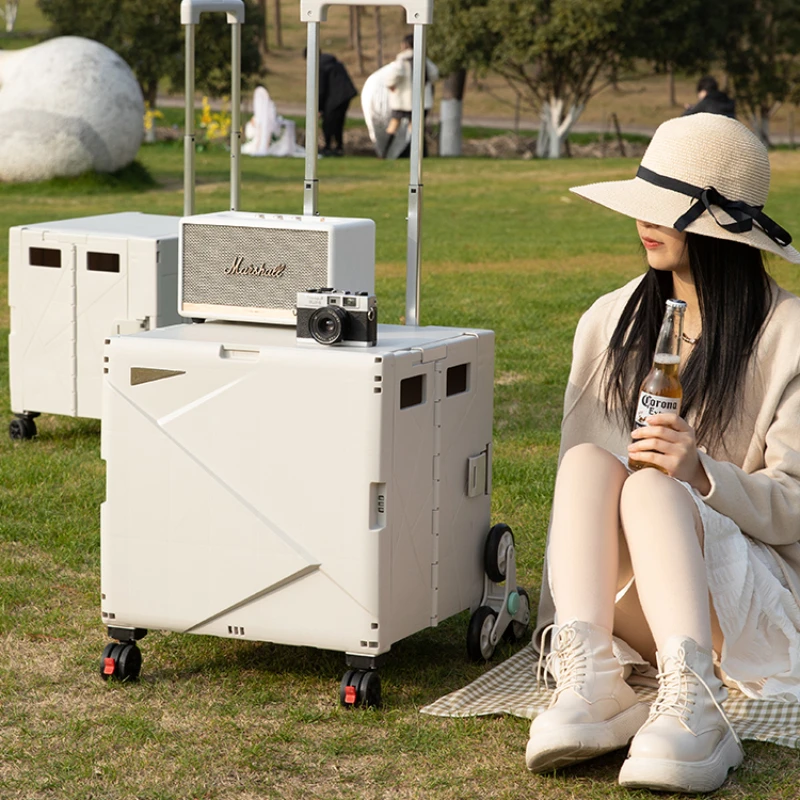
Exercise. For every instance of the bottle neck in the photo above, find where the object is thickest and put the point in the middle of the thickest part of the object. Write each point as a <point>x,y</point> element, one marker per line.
<point>669,337</point>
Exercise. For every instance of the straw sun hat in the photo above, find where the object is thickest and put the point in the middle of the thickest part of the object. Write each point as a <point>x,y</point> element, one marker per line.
<point>703,173</point>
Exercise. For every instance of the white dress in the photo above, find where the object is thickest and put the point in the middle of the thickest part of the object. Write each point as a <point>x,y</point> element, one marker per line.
<point>757,611</point>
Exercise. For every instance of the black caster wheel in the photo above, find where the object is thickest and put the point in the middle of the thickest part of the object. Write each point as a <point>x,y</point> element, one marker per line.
<point>360,688</point>
<point>198,320</point>
<point>22,428</point>
<point>498,541</point>
<point>121,661</point>
<point>479,634</point>
<point>516,631</point>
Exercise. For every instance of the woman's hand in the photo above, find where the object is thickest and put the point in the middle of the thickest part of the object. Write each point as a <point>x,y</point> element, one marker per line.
<point>668,441</point>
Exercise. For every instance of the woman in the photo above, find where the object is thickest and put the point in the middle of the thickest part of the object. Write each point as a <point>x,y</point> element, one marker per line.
<point>700,562</point>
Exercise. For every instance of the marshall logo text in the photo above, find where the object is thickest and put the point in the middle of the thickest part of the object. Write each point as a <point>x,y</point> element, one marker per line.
<point>261,271</point>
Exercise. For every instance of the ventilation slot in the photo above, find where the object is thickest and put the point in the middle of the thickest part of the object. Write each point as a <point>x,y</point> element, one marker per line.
<point>44,257</point>
<point>235,630</point>
<point>102,262</point>
<point>412,391</point>
<point>458,379</point>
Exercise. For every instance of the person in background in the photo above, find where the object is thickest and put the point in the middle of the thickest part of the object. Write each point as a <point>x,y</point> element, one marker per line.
<point>399,83</point>
<point>711,100</point>
<point>336,90</point>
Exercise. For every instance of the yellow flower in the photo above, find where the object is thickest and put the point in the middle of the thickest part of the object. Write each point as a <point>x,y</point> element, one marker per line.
<point>150,116</point>
<point>205,117</point>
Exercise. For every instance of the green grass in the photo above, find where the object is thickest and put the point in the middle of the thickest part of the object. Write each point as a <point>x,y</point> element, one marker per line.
<point>505,246</point>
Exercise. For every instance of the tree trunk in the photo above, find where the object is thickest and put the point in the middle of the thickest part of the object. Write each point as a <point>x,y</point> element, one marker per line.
<point>451,113</point>
<point>263,38</point>
<point>556,126</point>
<point>10,14</point>
<point>150,93</point>
<point>357,36</point>
<point>278,24</point>
<point>378,37</point>
<point>761,125</point>
<point>543,137</point>
<point>673,100</point>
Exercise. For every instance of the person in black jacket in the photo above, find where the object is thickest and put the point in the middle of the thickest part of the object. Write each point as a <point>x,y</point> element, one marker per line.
<point>711,100</point>
<point>336,90</point>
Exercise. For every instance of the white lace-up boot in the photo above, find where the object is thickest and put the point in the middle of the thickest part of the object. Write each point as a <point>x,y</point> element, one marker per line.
<point>593,711</point>
<point>687,743</point>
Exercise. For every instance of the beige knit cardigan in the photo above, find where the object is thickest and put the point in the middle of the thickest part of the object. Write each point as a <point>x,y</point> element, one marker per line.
<point>756,479</point>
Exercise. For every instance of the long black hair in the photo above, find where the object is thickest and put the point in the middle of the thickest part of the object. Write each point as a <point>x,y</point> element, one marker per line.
<point>733,292</point>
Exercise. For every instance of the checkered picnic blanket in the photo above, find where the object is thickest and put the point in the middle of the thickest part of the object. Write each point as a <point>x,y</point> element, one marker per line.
<point>510,688</point>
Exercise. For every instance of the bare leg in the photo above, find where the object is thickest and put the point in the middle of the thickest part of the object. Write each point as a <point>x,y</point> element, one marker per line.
<point>687,744</point>
<point>593,710</point>
<point>583,553</point>
<point>663,531</point>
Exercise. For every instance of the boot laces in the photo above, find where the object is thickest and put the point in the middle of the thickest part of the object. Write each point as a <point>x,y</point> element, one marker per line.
<point>566,660</point>
<point>677,692</point>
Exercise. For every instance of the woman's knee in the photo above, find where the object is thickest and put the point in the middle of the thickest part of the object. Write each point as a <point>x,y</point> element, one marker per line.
<point>651,495</point>
<point>589,456</point>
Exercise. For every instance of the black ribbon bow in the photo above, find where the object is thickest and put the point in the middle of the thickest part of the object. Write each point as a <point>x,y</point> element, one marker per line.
<point>744,215</point>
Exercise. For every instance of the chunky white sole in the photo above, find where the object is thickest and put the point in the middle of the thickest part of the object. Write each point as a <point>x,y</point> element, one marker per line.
<point>553,748</point>
<point>664,775</point>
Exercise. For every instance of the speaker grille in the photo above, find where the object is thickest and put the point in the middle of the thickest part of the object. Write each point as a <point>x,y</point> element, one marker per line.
<point>210,250</point>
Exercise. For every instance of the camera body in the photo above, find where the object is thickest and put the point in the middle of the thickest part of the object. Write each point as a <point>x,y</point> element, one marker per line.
<point>328,317</point>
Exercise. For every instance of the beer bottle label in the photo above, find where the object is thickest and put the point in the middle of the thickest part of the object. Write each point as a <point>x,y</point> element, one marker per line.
<point>650,404</point>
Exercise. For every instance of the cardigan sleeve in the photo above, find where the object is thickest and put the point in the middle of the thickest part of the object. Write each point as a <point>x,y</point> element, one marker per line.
<point>585,417</point>
<point>765,503</point>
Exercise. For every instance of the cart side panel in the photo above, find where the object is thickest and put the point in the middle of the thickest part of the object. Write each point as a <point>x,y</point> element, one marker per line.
<point>42,345</point>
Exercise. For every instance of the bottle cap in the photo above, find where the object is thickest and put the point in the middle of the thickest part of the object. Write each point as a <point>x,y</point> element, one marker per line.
<point>679,304</point>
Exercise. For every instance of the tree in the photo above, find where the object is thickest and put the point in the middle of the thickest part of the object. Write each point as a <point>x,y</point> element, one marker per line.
<point>148,35</point>
<point>762,58</point>
<point>457,42</point>
<point>554,54</point>
<point>685,35</point>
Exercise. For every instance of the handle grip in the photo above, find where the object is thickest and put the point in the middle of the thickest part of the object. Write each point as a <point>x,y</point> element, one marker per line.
<point>418,12</point>
<point>192,9</point>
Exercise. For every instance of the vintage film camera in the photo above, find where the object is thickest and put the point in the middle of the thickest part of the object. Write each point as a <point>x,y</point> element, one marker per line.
<point>328,316</point>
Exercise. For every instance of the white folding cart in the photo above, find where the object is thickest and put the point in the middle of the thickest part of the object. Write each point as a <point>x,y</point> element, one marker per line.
<point>270,489</point>
<point>71,284</point>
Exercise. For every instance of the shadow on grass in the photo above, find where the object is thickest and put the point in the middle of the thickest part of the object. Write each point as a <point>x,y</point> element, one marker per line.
<point>416,671</point>
<point>134,177</point>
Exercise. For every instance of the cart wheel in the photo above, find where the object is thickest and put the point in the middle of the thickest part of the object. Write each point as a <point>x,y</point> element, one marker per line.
<point>22,428</point>
<point>129,662</point>
<point>516,631</point>
<point>360,688</point>
<point>121,661</point>
<point>198,320</point>
<point>479,642</point>
<point>494,555</point>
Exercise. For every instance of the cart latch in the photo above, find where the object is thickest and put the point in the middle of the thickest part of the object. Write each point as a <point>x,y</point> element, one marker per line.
<point>476,474</point>
<point>122,327</point>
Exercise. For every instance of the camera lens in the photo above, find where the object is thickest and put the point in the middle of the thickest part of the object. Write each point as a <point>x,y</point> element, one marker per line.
<point>328,324</point>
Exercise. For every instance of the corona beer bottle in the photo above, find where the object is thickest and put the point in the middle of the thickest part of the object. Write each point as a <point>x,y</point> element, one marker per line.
<point>661,391</point>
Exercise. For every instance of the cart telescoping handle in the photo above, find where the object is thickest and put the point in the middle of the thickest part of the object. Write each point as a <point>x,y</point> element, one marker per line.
<point>190,16</point>
<point>419,13</point>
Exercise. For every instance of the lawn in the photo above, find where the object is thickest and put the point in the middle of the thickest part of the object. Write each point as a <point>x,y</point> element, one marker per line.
<point>506,247</point>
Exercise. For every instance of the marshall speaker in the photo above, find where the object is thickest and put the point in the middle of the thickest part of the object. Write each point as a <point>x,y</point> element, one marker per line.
<point>249,267</point>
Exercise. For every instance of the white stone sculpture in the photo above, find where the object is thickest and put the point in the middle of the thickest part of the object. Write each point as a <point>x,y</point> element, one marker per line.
<point>67,105</point>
